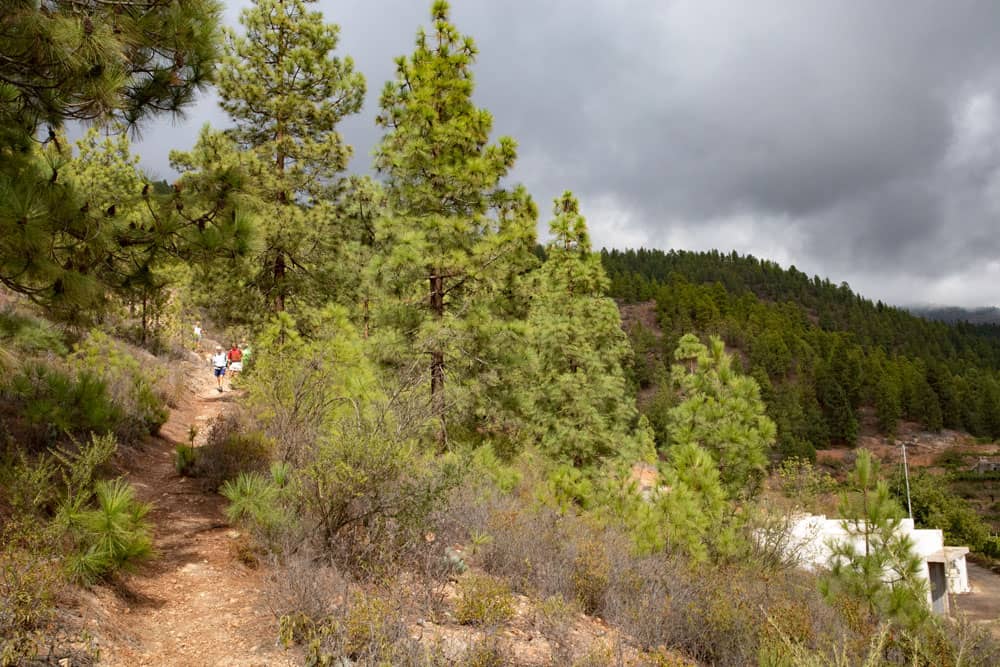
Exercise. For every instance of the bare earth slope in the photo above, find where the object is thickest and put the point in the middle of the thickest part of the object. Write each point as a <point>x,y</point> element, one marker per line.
<point>195,604</point>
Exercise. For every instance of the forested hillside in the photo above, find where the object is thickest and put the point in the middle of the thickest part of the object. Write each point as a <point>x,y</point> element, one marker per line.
<point>819,351</point>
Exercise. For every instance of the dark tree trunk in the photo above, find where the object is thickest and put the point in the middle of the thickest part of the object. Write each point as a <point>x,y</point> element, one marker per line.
<point>279,282</point>
<point>437,354</point>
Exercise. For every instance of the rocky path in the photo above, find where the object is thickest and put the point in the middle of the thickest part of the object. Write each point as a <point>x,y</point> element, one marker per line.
<point>196,603</point>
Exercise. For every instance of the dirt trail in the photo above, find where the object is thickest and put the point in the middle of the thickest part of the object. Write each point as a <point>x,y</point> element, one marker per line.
<point>195,604</point>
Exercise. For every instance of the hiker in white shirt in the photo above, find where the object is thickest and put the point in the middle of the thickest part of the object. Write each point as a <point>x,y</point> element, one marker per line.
<point>219,365</point>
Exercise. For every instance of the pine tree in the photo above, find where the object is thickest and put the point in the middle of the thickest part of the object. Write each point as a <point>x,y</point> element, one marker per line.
<point>697,516</point>
<point>887,404</point>
<point>721,411</point>
<point>457,240</point>
<point>581,407</point>
<point>286,91</point>
<point>876,564</point>
<point>72,61</point>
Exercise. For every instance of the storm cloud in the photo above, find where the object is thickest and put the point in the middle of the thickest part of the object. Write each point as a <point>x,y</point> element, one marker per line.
<point>857,140</point>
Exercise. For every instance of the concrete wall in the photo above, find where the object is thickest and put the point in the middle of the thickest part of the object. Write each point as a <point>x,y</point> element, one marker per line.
<point>811,536</point>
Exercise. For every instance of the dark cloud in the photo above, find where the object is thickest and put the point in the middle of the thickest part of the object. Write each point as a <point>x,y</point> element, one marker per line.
<point>855,139</point>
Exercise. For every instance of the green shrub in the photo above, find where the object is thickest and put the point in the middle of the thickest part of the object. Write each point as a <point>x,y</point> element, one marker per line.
<point>132,385</point>
<point>112,536</point>
<point>232,448</point>
<point>483,600</point>
<point>185,460</point>
<point>52,403</point>
<point>31,336</point>
<point>255,502</point>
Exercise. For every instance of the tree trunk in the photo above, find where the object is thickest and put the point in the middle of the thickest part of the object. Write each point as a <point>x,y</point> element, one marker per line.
<point>279,282</point>
<point>437,354</point>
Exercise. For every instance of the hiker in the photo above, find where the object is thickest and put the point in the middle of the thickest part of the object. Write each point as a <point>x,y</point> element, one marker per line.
<point>219,365</point>
<point>197,336</point>
<point>235,358</point>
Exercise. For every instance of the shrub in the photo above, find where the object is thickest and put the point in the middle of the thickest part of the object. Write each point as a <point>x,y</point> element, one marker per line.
<point>112,536</point>
<point>366,629</point>
<point>232,448</point>
<point>591,569</point>
<point>255,501</point>
<point>483,600</point>
<point>29,584</point>
<point>51,403</point>
<point>185,460</point>
<point>132,385</point>
<point>484,653</point>
<point>31,336</point>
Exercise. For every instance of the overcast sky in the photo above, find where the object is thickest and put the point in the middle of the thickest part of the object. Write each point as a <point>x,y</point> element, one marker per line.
<point>855,139</point>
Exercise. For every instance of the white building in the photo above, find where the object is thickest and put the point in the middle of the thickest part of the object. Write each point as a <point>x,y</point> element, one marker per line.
<point>943,567</point>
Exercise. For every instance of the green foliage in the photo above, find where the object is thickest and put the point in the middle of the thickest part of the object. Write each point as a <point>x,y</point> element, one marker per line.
<point>52,402</point>
<point>74,62</point>
<point>185,459</point>
<point>876,563</point>
<point>355,464</point>
<point>131,384</point>
<point>286,92</point>
<point>803,483</point>
<point>112,536</point>
<point>697,516</point>
<point>29,335</point>
<point>255,501</point>
<point>579,405</point>
<point>936,506</point>
<point>483,600</point>
<point>721,411</point>
<point>824,350</point>
<point>456,240</point>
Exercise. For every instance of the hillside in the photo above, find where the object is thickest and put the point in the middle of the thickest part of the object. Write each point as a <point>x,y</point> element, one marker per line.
<point>819,351</point>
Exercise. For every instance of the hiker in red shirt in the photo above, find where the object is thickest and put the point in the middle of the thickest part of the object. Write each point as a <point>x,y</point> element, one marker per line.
<point>235,359</point>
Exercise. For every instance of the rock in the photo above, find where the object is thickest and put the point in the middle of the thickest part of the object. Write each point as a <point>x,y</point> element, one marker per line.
<point>455,560</point>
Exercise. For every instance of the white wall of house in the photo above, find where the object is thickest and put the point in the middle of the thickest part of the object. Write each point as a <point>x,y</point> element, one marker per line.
<point>811,536</point>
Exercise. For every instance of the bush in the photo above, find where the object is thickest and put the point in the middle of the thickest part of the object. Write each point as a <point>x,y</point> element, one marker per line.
<point>30,336</point>
<point>29,584</point>
<point>51,403</point>
<point>366,629</point>
<point>110,537</point>
<point>232,447</point>
<point>185,460</point>
<point>483,600</point>
<point>132,385</point>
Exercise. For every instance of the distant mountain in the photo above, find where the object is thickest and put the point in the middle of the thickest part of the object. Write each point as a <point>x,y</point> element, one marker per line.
<point>954,314</point>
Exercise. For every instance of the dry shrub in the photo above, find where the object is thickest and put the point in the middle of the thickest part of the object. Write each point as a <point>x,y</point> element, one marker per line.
<point>716,614</point>
<point>483,600</point>
<point>554,618</point>
<point>29,585</point>
<point>301,584</point>
<point>367,628</point>
<point>232,447</point>
<point>487,652</point>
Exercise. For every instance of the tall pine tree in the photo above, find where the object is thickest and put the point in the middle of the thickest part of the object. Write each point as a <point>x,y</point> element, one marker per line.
<point>580,407</point>
<point>286,91</point>
<point>457,239</point>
